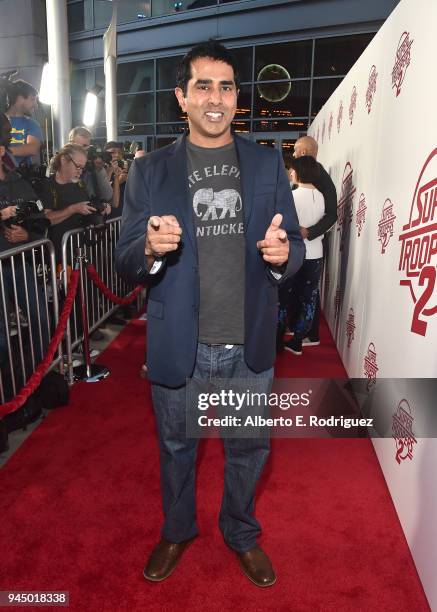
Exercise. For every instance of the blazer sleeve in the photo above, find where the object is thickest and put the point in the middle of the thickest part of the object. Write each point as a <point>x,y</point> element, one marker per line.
<point>130,259</point>
<point>285,205</point>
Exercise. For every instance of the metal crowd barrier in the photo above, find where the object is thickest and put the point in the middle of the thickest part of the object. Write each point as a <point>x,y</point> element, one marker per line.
<point>99,245</point>
<point>28,313</point>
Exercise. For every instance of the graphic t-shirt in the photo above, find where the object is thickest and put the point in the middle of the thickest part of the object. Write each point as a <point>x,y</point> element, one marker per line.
<point>214,184</point>
<point>22,127</point>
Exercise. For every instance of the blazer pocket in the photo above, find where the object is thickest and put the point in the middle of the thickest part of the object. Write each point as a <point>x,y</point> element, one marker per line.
<point>155,309</point>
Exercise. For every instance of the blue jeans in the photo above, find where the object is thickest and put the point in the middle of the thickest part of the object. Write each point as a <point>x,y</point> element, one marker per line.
<point>244,458</point>
<point>302,297</point>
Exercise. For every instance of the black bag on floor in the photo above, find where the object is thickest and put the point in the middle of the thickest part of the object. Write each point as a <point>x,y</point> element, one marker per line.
<point>28,413</point>
<point>53,391</point>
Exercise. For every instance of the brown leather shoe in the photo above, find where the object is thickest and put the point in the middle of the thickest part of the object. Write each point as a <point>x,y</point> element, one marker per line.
<point>257,567</point>
<point>164,559</point>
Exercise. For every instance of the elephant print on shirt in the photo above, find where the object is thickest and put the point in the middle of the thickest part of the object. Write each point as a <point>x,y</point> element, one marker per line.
<point>226,200</point>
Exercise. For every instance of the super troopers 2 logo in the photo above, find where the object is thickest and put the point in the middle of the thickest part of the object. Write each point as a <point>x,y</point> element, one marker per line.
<point>353,104</point>
<point>339,116</point>
<point>385,225</point>
<point>331,120</point>
<point>338,299</point>
<point>370,366</point>
<point>418,258</point>
<point>371,88</point>
<point>345,203</point>
<point>402,428</point>
<point>350,327</point>
<point>402,61</point>
<point>361,214</point>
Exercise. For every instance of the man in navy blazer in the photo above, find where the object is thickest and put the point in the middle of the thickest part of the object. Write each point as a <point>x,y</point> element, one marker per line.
<point>209,224</point>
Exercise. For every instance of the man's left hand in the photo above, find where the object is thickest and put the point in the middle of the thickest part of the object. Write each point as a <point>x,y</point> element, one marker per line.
<point>16,233</point>
<point>108,208</point>
<point>304,232</point>
<point>275,246</point>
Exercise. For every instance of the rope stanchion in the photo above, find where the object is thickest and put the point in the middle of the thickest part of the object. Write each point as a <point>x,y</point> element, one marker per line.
<point>92,273</point>
<point>42,368</point>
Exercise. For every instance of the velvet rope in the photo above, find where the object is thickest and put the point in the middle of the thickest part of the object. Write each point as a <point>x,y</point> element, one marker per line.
<point>42,368</point>
<point>92,272</point>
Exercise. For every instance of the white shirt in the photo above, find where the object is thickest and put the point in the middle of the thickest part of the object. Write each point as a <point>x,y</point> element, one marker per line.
<point>310,208</point>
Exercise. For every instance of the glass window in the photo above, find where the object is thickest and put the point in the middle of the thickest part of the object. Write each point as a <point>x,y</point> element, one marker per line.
<point>166,72</point>
<point>282,100</point>
<point>337,55</point>
<point>135,76</point>
<point>241,127</point>
<point>171,128</point>
<point>78,84</point>
<point>163,142</point>
<point>244,103</point>
<point>167,7</point>
<point>322,90</point>
<point>75,17</point>
<point>137,129</point>
<point>243,57</point>
<point>128,10</point>
<point>168,109</point>
<point>193,4</point>
<point>274,125</point>
<point>292,60</point>
<point>136,108</point>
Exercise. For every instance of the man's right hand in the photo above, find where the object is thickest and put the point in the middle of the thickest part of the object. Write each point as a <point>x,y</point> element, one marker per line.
<point>83,208</point>
<point>8,212</point>
<point>163,235</point>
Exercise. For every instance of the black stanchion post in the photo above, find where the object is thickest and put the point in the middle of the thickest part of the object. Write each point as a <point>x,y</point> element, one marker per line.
<point>89,372</point>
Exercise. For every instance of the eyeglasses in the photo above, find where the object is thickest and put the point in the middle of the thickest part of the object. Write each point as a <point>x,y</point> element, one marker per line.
<point>77,166</point>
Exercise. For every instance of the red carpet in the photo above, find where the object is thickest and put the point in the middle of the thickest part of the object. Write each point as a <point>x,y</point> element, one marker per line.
<point>80,511</point>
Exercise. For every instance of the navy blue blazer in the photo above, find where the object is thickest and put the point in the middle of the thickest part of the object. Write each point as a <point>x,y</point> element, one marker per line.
<point>158,185</point>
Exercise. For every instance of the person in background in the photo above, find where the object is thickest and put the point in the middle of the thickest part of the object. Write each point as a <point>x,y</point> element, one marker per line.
<point>117,171</point>
<point>303,286</point>
<point>26,134</point>
<point>306,145</point>
<point>28,293</point>
<point>8,159</point>
<point>65,197</point>
<point>95,178</point>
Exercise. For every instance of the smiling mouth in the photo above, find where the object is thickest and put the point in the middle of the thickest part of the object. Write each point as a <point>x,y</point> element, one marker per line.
<point>214,116</point>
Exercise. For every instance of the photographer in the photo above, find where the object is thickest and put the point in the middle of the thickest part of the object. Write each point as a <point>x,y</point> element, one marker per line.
<point>117,170</point>
<point>66,199</point>
<point>95,178</point>
<point>15,231</point>
<point>26,135</point>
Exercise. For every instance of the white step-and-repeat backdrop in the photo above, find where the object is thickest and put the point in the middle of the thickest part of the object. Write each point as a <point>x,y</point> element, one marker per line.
<point>377,137</point>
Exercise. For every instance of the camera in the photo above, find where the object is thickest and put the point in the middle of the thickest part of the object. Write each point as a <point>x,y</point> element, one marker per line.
<point>29,214</point>
<point>98,218</point>
<point>35,175</point>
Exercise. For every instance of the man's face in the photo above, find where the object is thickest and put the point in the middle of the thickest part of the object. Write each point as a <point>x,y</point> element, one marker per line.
<point>74,166</point>
<point>84,141</point>
<point>28,104</point>
<point>299,149</point>
<point>210,102</point>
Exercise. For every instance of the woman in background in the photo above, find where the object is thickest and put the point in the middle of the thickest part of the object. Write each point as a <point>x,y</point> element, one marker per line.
<point>302,290</point>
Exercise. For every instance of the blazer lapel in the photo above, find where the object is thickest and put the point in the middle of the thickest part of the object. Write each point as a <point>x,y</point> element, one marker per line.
<point>247,175</point>
<point>178,189</point>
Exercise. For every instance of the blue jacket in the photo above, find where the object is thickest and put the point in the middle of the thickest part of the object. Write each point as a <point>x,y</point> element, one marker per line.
<point>158,185</point>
